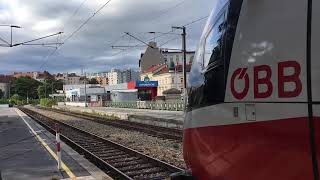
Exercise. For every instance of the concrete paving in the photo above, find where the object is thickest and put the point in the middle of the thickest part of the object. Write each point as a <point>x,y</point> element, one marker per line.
<point>123,113</point>
<point>25,152</point>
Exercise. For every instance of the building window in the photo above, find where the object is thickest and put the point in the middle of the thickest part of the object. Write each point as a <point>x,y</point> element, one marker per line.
<point>172,80</point>
<point>181,80</point>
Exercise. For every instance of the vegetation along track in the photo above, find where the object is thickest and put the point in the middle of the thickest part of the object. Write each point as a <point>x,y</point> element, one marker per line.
<point>161,132</point>
<point>117,160</point>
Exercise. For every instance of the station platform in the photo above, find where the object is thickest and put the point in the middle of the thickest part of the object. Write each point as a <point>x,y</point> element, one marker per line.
<point>156,117</point>
<point>27,151</point>
<point>173,115</point>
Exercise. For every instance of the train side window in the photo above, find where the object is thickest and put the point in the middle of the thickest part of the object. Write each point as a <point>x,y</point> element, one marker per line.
<point>208,76</point>
<point>213,44</point>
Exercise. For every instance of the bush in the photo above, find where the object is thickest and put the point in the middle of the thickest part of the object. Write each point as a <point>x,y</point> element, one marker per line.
<point>17,100</point>
<point>34,101</point>
<point>46,102</point>
<point>4,101</point>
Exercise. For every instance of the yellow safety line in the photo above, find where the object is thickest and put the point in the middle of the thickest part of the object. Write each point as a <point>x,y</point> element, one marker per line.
<point>64,166</point>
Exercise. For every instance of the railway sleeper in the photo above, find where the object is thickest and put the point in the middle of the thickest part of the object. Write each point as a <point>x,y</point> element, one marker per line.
<point>136,167</point>
<point>158,175</point>
<point>144,172</point>
<point>119,153</point>
<point>123,164</point>
<point>116,157</point>
<point>96,148</point>
<point>134,159</point>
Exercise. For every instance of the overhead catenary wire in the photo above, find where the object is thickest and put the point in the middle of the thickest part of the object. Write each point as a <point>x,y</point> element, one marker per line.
<point>170,40</point>
<point>74,32</point>
<point>197,20</point>
<point>139,45</point>
<point>164,11</point>
<point>85,22</point>
<point>5,41</point>
<point>25,42</point>
<point>138,39</point>
<point>74,13</point>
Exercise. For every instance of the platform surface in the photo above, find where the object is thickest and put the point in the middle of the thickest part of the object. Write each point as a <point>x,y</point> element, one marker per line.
<point>24,156</point>
<point>160,114</point>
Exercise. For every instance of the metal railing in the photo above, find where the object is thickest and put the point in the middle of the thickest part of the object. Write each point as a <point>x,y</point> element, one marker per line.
<point>170,106</point>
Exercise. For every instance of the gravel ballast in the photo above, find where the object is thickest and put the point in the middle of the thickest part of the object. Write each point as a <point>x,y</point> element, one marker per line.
<point>165,150</point>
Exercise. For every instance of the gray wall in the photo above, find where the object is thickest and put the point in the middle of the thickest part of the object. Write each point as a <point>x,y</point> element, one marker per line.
<point>152,56</point>
<point>117,96</point>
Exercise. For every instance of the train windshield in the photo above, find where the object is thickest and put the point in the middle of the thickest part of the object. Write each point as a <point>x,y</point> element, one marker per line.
<point>208,76</point>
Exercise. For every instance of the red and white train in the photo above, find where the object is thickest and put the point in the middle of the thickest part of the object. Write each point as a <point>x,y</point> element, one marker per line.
<point>254,93</point>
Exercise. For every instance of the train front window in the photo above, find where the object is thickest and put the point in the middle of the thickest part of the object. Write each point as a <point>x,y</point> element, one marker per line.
<point>208,76</point>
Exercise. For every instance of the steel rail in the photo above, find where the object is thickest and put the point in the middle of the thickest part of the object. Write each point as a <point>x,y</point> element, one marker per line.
<point>157,131</point>
<point>117,160</point>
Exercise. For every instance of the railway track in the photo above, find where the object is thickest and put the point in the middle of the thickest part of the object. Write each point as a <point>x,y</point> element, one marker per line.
<point>161,132</point>
<point>118,161</point>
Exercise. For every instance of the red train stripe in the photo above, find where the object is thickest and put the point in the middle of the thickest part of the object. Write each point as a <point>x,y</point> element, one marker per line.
<point>277,149</point>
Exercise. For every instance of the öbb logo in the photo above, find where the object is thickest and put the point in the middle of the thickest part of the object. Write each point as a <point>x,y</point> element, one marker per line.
<point>242,75</point>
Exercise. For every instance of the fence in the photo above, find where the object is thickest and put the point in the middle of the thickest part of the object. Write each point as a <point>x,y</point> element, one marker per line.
<point>177,106</point>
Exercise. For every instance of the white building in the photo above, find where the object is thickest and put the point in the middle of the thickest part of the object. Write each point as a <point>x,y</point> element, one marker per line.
<point>116,76</point>
<point>167,77</point>
<point>177,57</point>
<point>94,94</point>
<point>68,87</point>
<point>96,75</point>
<point>71,78</point>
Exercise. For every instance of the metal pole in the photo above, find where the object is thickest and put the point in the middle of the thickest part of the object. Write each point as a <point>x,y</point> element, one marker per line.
<point>85,92</point>
<point>52,89</point>
<point>9,89</point>
<point>45,88</point>
<point>184,48</point>
<point>58,146</point>
<point>11,36</point>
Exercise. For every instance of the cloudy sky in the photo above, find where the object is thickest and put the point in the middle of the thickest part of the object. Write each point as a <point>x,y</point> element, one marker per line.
<point>90,47</point>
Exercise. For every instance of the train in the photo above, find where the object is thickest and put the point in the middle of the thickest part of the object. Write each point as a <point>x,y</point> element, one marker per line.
<point>253,110</point>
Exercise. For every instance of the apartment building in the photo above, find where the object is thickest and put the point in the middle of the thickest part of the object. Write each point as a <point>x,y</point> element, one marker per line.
<point>116,76</point>
<point>71,78</point>
<point>177,57</point>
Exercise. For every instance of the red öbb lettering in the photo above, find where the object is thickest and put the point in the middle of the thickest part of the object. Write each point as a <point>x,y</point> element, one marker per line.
<point>294,78</point>
<point>262,81</point>
<point>242,73</point>
<point>266,81</point>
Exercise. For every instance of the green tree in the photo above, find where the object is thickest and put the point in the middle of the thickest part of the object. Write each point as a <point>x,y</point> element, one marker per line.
<point>49,86</point>
<point>25,87</point>
<point>1,93</point>
<point>93,81</point>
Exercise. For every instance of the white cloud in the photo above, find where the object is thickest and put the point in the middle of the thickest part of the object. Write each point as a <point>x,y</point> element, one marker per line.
<point>46,25</point>
<point>91,45</point>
